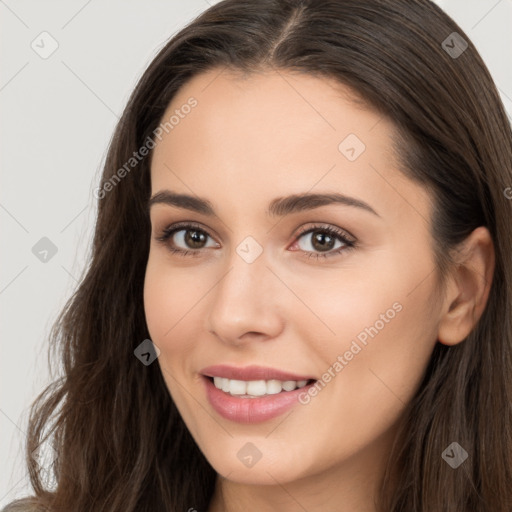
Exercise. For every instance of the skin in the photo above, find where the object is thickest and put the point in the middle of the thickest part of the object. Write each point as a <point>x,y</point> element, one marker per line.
<point>248,141</point>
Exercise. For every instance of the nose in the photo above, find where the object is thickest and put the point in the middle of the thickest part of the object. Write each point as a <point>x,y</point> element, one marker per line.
<point>245,305</point>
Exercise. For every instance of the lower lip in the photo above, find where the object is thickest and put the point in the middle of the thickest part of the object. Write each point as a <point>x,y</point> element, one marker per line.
<point>251,410</point>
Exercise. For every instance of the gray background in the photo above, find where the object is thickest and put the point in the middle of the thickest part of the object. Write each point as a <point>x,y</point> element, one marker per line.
<point>57,117</point>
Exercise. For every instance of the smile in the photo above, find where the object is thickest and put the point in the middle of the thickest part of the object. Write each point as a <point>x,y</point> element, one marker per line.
<point>256,388</point>
<point>252,394</point>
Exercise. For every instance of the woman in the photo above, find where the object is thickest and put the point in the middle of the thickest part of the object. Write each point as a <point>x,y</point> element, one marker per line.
<point>300,288</point>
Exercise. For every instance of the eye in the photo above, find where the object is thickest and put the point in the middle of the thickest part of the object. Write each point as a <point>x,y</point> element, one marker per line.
<point>320,241</point>
<point>323,241</point>
<point>186,239</point>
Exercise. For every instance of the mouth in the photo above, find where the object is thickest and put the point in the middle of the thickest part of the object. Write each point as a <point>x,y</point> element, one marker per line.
<point>257,388</point>
<point>253,394</point>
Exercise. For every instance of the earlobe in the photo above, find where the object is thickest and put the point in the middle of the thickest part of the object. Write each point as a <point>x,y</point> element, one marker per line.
<point>468,288</point>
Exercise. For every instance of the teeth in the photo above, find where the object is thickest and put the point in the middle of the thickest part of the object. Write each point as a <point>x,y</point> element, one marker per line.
<point>255,388</point>
<point>274,387</point>
<point>289,385</point>
<point>236,387</point>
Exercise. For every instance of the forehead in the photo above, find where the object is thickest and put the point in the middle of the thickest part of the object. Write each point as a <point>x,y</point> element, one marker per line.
<point>274,133</point>
<point>271,113</point>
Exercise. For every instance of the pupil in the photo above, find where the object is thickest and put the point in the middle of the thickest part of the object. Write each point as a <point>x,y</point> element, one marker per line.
<point>194,238</point>
<point>323,241</point>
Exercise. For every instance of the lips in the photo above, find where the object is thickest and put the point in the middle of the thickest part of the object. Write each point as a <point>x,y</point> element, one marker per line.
<point>252,373</point>
<point>242,409</point>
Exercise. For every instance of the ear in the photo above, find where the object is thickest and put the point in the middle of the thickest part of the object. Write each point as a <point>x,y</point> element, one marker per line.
<point>468,287</point>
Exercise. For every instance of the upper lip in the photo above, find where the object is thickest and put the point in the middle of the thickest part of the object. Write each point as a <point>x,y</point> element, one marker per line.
<point>251,373</point>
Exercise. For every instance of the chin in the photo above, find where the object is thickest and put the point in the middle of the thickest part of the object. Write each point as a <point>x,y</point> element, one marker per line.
<point>279,467</point>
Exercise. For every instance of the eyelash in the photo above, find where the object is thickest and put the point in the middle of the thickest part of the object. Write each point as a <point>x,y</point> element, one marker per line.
<point>349,244</point>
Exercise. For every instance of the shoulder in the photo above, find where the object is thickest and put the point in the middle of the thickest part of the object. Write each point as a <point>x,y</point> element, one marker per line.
<point>23,505</point>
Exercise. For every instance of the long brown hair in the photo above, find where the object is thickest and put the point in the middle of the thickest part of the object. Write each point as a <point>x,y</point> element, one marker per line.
<point>121,444</point>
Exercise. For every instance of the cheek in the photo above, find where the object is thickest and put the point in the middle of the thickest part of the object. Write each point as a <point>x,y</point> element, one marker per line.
<point>158,302</point>
<point>169,299</point>
<point>165,301</point>
<point>382,322</point>
<point>372,365</point>
<point>174,302</point>
<point>169,295</point>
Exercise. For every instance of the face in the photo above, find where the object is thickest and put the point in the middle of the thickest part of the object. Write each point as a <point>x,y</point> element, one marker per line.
<point>301,258</point>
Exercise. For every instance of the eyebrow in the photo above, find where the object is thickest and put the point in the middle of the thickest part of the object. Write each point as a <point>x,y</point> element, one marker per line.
<point>278,207</point>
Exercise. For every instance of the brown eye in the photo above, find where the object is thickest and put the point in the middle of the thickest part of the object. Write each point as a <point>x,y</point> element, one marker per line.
<point>194,239</point>
<point>186,239</point>
<point>323,241</point>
